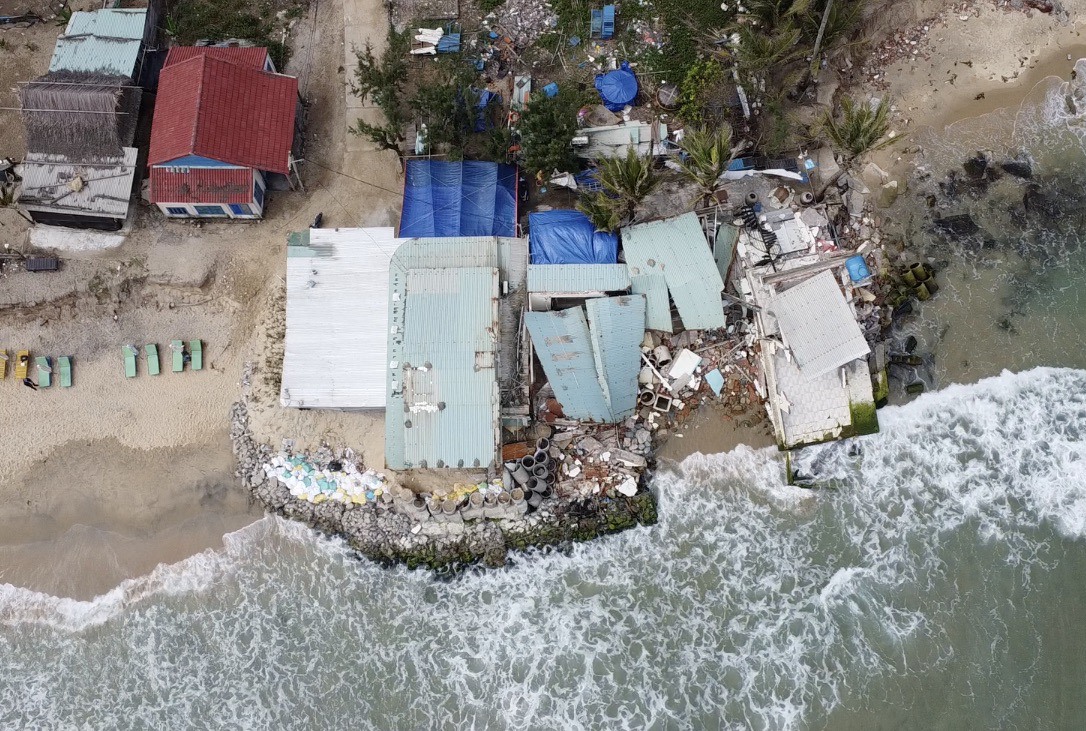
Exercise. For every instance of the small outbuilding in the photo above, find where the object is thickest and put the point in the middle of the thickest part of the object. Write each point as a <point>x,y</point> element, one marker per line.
<point>93,195</point>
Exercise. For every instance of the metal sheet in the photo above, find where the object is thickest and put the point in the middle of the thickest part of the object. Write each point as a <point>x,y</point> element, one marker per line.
<point>101,42</point>
<point>578,278</point>
<point>336,325</point>
<point>104,187</point>
<point>617,327</point>
<point>564,347</point>
<point>676,248</point>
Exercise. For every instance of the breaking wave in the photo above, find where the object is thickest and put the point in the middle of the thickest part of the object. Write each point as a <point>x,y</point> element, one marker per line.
<point>751,605</point>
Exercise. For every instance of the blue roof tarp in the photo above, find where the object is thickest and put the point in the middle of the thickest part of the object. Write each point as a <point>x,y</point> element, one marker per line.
<point>450,199</point>
<point>617,88</point>
<point>568,237</point>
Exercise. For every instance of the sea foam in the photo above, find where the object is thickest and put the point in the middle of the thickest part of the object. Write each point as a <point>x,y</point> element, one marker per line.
<point>752,604</point>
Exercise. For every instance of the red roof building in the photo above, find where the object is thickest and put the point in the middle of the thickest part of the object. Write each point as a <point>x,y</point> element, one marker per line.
<point>219,117</point>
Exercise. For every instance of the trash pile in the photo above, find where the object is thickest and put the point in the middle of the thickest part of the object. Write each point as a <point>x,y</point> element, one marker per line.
<point>593,463</point>
<point>339,481</point>
<point>524,21</point>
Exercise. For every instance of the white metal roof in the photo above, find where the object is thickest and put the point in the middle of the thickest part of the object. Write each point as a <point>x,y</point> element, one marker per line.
<point>100,187</point>
<point>818,325</point>
<point>337,314</point>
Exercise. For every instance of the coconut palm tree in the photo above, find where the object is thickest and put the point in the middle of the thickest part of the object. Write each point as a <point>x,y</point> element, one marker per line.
<point>708,153</point>
<point>860,129</point>
<point>603,211</point>
<point>626,181</point>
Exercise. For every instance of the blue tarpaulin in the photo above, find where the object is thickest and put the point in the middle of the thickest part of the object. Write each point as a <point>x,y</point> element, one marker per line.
<point>568,237</point>
<point>448,199</point>
<point>617,88</point>
<point>482,107</point>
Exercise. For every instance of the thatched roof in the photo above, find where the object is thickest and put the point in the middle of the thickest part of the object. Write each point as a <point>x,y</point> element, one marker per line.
<point>79,115</point>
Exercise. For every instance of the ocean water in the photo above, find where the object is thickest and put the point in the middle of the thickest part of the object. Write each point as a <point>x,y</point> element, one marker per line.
<point>938,571</point>
<point>935,579</point>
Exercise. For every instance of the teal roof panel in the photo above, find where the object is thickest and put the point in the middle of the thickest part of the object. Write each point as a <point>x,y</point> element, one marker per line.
<point>564,347</point>
<point>617,327</point>
<point>101,42</point>
<point>676,248</point>
<point>578,278</point>
<point>657,304</point>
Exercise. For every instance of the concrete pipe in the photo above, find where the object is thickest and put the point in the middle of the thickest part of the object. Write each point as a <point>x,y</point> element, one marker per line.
<point>476,499</point>
<point>647,398</point>
<point>534,501</point>
<point>504,499</point>
<point>807,198</point>
<point>491,508</point>
<point>517,495</point>
<point>662,356</point>
<point>451,511</point>
<point>537,485</point>
<point>541,473</point>
<point>752,198</point>
<point>645,376</point>
<point>540,457</point>
<point>521,475</point>
<point>542,444</point>
<point>527,462</point>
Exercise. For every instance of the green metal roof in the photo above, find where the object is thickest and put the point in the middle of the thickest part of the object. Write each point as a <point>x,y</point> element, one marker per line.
<point>617,327</point>
<point>578,278</point>
<point>101,42</point>
<point>442,405</point>
<point>592,363</point>
<point>676,248</point>
<point>657,303</point>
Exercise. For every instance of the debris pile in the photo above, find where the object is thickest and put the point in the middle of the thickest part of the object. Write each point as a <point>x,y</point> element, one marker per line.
<point>524,21</point>
<point>339,480</point>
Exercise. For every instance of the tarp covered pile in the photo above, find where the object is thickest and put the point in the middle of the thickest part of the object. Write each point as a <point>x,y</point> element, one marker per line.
<point>309,482</point>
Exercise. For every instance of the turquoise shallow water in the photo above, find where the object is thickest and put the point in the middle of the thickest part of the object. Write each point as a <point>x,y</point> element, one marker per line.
<point>935,582</point>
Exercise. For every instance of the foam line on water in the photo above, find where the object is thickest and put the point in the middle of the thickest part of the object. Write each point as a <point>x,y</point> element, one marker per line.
<point>751,605</point>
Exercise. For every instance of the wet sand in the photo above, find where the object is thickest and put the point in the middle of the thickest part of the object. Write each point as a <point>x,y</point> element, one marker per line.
<point>97,512</point>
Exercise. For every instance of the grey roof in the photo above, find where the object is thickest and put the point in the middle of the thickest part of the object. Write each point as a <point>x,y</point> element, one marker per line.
<point>104,186</point>
<point>592,363</point>
<point>578,278</point>
<point>818,325</point>
<point>676,248</point>
<point>444,325</point>
<point>337,318</point>
<point>727,236</point>
<point>614,140</point>
<point>102,41</point>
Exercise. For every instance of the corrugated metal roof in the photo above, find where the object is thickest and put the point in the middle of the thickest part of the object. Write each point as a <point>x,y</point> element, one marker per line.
<point>677,249</point>
<point>578,278</point>
<point>224,111</point>
<point>443,406</point>
<point>724,252</point>
<point>337,312</point>
<point>657,304</point>
<point>564,347</point>
<point>617,327</point>
<point>818,325</point>
<point>102,42</point>
<point>106,184</point>
<point>614,140</point>
<point>592,364</point>
<point>202,185</point>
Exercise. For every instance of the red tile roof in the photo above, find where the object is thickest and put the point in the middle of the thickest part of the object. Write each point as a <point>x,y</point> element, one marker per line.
<point>202,185</point>
<point>252,57</point>
<point>224,111</point>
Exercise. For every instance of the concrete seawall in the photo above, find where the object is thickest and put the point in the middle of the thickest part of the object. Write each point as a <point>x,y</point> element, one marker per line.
<point>390,533</point>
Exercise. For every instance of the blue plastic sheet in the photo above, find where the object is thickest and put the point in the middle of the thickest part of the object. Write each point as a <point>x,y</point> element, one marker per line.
<point>617,88</point>
<point>482,107</point>
<point>568,237</point>
<point>449,199</point>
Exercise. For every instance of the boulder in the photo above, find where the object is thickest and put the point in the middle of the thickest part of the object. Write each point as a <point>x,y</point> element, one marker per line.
<point>959,225</point>
<point>1019,168</point>
<point>976,166</point>
<point>888,193</point>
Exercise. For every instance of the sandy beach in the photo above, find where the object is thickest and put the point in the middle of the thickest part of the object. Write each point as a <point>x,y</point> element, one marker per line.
<point>105,480</point>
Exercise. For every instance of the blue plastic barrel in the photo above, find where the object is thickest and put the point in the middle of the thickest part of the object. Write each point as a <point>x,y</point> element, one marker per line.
<point>857,268</point>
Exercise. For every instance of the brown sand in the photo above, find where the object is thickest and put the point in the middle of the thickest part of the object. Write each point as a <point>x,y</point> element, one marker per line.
<point>107,479</point>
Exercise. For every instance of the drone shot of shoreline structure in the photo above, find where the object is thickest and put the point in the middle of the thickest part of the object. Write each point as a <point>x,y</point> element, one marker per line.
<point>543,364</point>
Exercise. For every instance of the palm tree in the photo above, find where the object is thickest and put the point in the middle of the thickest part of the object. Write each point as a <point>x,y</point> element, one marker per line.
<point>626,181</point>
<point>861,129</point>
<point>629,178</point>
<point>708,153</point>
